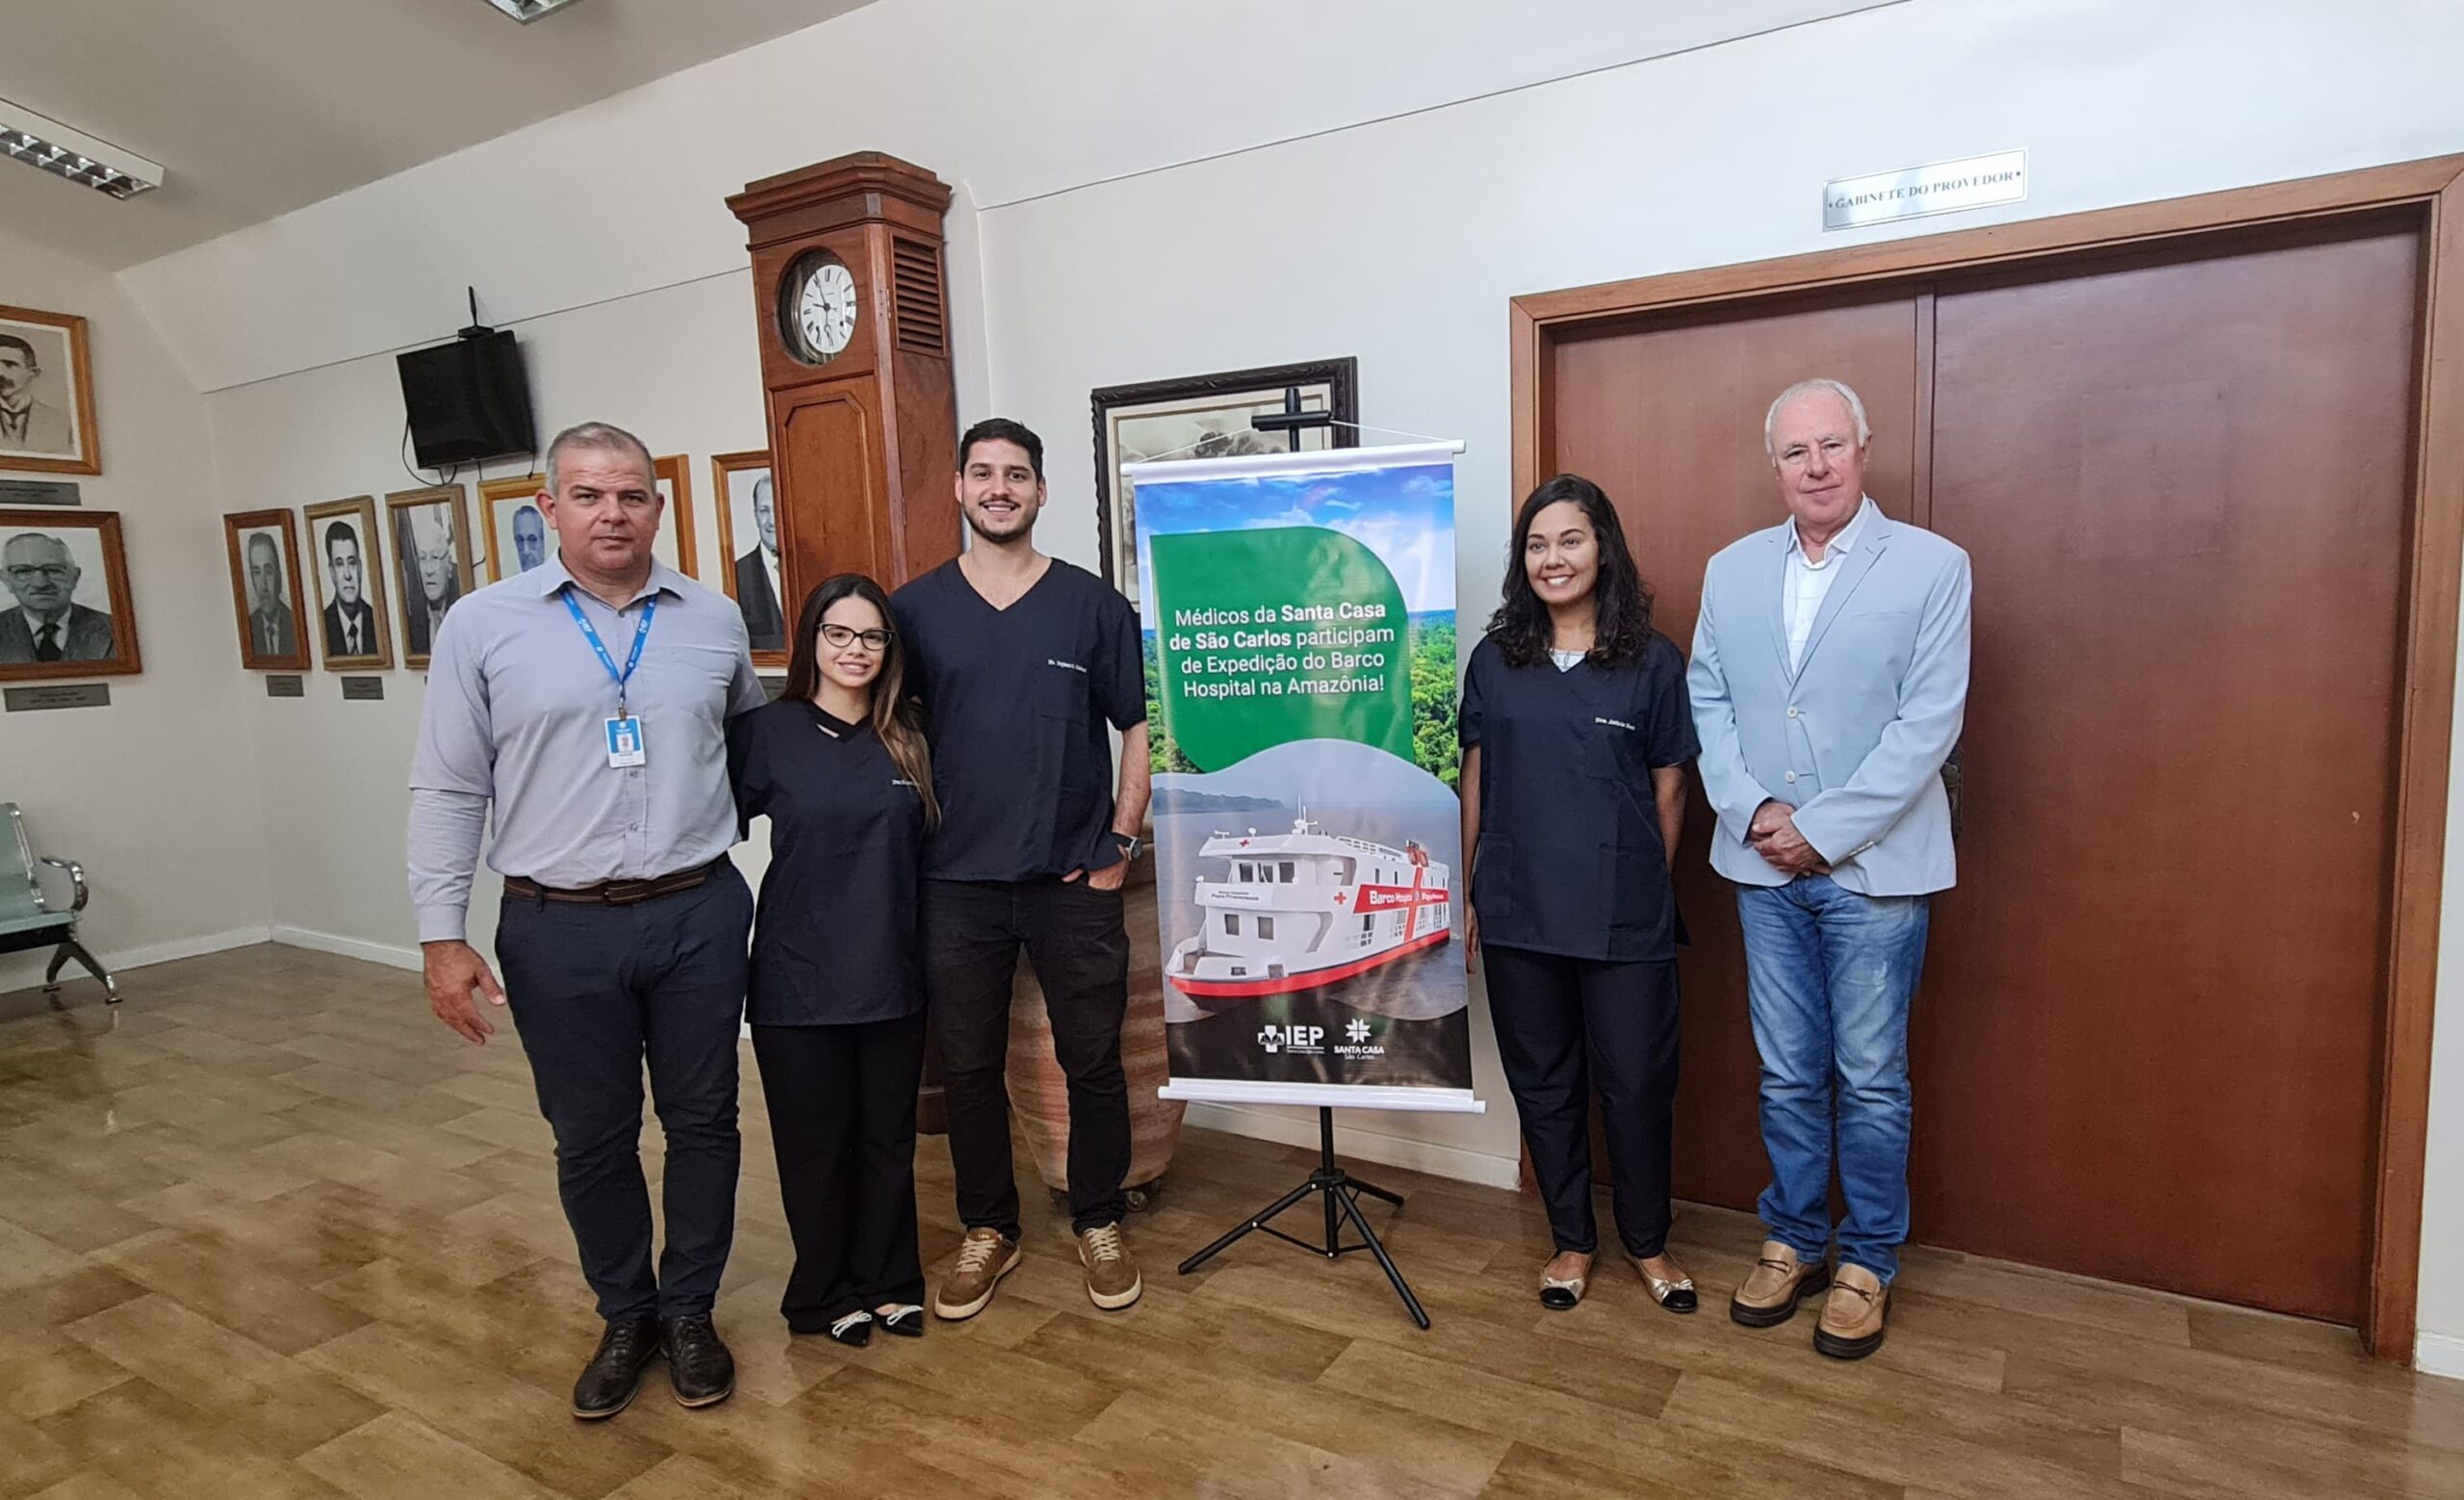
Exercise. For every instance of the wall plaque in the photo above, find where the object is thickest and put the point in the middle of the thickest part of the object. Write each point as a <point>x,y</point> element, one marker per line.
<point>362,689</point>
<point>286,684</point>
<point>1941,187</point>
<point>39,492</point>
<point>59,695</point>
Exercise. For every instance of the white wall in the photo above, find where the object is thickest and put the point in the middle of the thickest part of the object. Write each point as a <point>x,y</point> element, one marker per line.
<point>1402,241</point>
<point>676,366</point>
<point>138,792</point>
<point>1123,221</point>
<point>625,197</point>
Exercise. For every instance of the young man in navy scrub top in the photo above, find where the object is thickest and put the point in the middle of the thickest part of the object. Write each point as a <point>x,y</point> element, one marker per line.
<point>1576,734</point>
<point>1028,667</point>
<point>839,766</point>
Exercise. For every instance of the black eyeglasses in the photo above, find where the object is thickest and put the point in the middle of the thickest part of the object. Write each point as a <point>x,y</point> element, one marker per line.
<point>845,635</point>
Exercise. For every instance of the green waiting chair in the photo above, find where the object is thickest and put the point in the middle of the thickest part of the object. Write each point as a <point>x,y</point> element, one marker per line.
<point>27,920</point>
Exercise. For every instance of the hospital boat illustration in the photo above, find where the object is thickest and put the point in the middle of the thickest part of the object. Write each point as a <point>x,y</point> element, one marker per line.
<point>1307,908</point>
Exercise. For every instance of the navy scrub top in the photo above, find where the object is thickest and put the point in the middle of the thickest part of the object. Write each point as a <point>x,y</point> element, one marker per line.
<point>1570,860</point>
<point>834,939</point>
<point>1020,699</point>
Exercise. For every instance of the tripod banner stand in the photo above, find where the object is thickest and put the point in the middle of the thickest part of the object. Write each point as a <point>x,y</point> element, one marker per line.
<point>1301,678</point>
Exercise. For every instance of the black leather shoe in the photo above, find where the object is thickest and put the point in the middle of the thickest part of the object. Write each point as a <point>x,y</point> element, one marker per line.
<point>907,1321</point>
<point>614,1374</point>
<point>698,1364</point>
<point>855,1329</point>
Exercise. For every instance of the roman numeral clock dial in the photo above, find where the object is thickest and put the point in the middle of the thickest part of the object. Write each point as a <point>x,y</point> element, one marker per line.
<point>821,315</point>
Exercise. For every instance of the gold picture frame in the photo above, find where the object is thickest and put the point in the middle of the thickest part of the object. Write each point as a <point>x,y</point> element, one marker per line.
<point>43,356</point>
<point>501,503</point>
<point>735,482</point>
<point>674,475</point>
<point>48,585</point>
<point>264,632</point>
<point>431,530</point>
<point>329,526</point>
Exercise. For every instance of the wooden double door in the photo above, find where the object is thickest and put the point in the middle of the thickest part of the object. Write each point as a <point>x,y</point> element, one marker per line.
<point>2146,1043</point>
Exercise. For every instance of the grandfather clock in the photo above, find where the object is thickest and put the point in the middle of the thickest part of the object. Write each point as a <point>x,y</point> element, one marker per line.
<point>854,325</point>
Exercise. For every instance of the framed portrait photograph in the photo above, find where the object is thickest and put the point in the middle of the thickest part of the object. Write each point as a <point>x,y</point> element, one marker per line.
<point>1204,417</point>
<point>349,569</point>
<point>518,535</point>
<point>749,538</point>
<point>46,393</point>
<point>676,542</point>
<point>64,605</point>
<point>265,590</point>
<point>432,559</point>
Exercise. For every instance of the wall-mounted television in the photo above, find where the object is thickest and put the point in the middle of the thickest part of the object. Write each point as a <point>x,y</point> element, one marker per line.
<point>467,400</point>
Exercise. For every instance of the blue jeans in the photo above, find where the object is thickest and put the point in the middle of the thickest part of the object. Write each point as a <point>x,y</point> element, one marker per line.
<point>1829,977</point>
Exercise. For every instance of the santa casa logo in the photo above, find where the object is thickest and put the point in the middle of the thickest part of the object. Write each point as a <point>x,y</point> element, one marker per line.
<point>1356,1043</point>
<point>1304,1039</point>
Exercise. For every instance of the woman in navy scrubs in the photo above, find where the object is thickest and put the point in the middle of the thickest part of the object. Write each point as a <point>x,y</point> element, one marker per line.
<point>838,764</point>
<point>1576,733</point>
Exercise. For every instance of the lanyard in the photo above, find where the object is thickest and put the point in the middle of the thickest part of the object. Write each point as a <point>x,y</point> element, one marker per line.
<point>641,634</point>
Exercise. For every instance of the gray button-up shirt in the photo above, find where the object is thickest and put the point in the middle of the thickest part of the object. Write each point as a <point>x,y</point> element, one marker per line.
<point>516,714</point>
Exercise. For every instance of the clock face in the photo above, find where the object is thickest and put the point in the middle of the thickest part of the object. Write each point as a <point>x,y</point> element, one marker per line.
<point>821,317</point>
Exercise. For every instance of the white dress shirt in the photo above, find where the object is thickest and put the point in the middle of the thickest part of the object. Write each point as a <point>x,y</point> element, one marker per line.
<point>1803,585</point>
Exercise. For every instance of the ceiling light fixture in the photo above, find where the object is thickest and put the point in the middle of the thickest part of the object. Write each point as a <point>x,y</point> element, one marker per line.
<point>29,137</point>
<point>528,10</point>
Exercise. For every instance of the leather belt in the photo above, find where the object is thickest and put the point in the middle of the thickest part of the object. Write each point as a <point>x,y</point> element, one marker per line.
<point>618,892</point>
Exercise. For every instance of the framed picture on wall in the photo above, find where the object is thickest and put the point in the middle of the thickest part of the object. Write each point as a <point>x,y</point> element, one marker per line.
<point>265,590</point>
<point>1204,417</point>
<point>432,559</point>
<point>517,528</point>
<point>674,546</point>
<point>46,393</point>
<point>349,569</point>
<point>749,539</point>
<point>64,605</point>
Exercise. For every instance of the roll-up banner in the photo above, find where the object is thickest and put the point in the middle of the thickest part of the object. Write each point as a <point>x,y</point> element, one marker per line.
<point>1300,694</point>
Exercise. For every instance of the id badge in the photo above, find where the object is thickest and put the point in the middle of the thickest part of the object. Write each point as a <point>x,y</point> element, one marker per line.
<point>625,745</point>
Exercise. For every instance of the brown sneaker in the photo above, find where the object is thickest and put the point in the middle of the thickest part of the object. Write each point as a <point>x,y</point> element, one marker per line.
<point>1111,1275</point>
<point>1852,1321</point>
<point>985,1257</point>
<point>1778,1282</point>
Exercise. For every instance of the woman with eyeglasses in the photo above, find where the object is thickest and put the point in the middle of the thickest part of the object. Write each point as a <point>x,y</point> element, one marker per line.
<point>838,764</point>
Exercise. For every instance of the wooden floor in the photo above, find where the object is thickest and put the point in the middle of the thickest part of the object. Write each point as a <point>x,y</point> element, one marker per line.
<point>268,1231</point>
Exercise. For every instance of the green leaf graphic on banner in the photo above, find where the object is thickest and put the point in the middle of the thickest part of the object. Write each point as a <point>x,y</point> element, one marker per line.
<point>1275,635</point>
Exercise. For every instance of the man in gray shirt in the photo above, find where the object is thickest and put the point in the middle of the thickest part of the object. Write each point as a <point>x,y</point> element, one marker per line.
<point>586,701</point>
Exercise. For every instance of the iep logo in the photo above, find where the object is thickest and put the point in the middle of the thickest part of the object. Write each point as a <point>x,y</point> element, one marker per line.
<point>1274,1039</point>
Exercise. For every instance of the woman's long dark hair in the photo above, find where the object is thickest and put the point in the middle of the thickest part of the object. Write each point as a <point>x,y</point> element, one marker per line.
<point>1621,598</point>
<point>896,718</point>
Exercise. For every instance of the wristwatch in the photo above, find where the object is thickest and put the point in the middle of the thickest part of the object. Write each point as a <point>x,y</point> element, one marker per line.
<point>1131,847</point>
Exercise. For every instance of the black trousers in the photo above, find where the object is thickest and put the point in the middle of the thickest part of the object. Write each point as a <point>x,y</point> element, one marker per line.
<point>1564,1024</point>
<point>1074,937</point>
<point>594,991</point>
<point>842,1121</point>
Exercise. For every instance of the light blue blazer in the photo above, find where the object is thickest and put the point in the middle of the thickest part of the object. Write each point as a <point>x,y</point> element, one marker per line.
<point>1855,738</point>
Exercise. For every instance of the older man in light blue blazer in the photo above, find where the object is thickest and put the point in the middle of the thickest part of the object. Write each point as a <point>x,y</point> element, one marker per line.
<point>1828,681</point>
